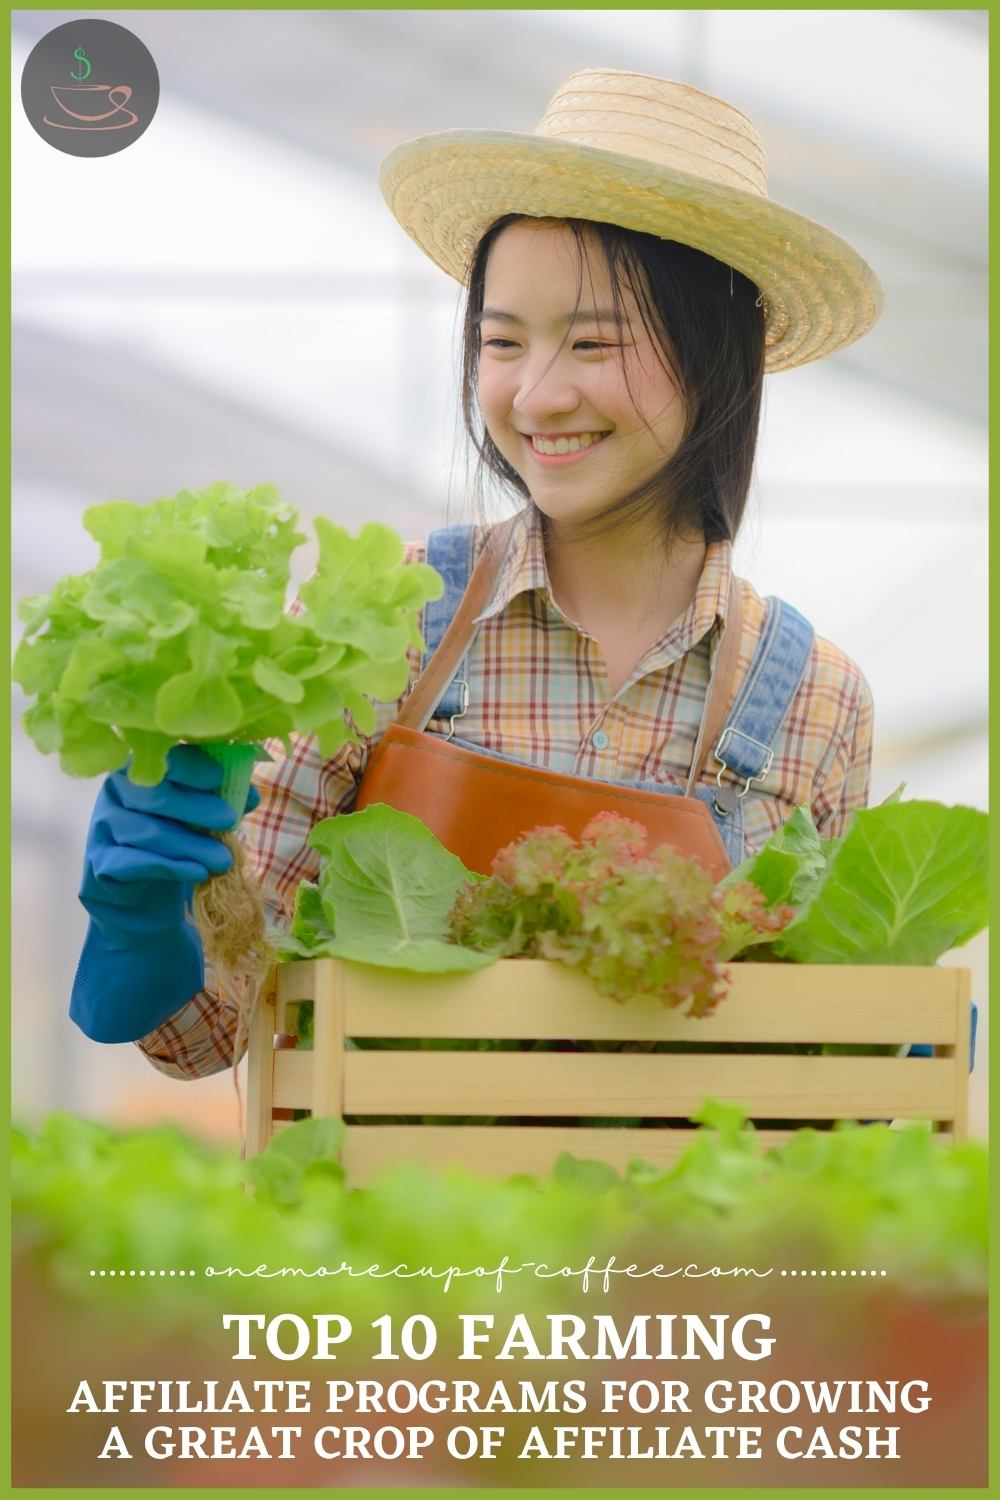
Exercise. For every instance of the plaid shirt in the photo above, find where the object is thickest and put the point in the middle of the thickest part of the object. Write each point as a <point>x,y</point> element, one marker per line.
<point>539,692</point>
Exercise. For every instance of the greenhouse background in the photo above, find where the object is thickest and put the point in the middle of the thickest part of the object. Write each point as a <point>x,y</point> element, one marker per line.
<point>230,299</point>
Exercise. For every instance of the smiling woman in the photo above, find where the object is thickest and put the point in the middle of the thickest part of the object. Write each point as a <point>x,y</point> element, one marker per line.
<point>629,282</point>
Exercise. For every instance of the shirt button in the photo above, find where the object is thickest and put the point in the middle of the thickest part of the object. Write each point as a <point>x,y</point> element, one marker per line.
<point>599,740</point>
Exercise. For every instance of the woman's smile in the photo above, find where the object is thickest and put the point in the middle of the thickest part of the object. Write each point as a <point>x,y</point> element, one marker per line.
<point>555,450</point>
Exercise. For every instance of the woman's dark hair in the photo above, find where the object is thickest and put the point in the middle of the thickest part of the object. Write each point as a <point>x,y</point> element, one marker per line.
<point>707,321</point>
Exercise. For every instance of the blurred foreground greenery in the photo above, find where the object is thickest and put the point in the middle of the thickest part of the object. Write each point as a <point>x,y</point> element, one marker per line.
<point>89,1198</point>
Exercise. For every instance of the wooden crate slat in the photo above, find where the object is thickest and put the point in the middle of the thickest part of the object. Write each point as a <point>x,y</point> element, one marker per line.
<point>765,1004</point>
<point>297,981</point>
<point>501,1152</point>
<point>539,1084</point>
<point>328,1041</point>
<point>769,1138</point>
<point>493,1151</point>
<point>260,1074</point>
<point>293,1080</point>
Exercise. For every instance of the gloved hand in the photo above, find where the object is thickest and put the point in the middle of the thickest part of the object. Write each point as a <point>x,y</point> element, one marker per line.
<point>142,957</point>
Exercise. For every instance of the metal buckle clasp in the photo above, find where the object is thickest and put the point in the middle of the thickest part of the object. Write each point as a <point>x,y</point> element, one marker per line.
<point>730,798</point>
<point>461,683</point>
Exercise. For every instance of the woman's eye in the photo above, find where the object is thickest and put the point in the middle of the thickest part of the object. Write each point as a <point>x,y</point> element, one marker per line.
<point>586,346</point>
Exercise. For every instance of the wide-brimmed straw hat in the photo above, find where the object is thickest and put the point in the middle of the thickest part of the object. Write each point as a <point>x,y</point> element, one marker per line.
<point>652,155</point>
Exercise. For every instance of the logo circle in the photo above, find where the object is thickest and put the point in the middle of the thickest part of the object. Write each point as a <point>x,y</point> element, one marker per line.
<point>90,88</point>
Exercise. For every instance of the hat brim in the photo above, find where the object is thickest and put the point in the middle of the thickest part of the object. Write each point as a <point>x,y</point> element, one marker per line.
<point>447,189</point>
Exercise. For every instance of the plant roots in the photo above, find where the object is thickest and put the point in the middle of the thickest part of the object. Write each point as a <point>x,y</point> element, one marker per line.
<point>230,920</point>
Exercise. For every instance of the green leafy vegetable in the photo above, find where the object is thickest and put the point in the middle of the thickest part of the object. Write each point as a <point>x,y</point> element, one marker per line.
<point>906,883</point>
<point>180,632</point>
<point>306,1146</point>
<point>309,932</point>
<point>903,885</point>
<point>86,1196</point>
<point>791,863</point>
<point>385,890</point>
<point>635,924</point>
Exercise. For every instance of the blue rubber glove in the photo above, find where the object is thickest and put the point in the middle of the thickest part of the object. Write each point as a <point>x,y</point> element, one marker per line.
<point>146,851</point>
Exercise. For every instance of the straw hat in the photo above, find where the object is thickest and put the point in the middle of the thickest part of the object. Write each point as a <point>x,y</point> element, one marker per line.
<point>652,155</point>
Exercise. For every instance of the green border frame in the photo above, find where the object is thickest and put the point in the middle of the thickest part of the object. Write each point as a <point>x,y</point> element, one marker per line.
<point>794,1493</point>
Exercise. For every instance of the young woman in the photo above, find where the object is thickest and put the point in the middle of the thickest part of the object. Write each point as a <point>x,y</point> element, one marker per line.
<point>629,284</point>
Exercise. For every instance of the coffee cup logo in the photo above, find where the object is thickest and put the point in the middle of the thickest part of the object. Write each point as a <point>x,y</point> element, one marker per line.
<point>90,88</point>
<point>91,98</point>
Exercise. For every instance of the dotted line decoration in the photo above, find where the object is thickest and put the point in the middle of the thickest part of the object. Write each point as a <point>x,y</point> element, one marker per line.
<point>144,1273</point>
<point>834,1273</point>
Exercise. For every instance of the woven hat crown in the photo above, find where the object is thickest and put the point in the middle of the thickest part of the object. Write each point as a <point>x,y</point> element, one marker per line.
<point>661,122</point>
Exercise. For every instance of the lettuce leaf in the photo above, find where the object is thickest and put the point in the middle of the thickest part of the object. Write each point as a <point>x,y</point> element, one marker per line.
<point>180,633</point>
<point>635,924</point>
<point>386,887</point>
<point>790,865</point>
<point>906,883</point>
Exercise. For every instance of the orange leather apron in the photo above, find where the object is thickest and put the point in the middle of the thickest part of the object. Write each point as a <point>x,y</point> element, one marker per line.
<point>476,802</point>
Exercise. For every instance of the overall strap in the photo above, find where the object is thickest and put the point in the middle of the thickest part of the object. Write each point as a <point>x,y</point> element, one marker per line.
<point>449,551</point>
<point>745,746</point>
<point>448,636</point>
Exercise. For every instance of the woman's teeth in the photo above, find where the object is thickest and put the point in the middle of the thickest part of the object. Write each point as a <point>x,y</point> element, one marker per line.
<point>566,444</point>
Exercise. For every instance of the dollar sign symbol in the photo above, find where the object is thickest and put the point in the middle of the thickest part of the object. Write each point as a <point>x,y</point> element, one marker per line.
<point>81,58</point>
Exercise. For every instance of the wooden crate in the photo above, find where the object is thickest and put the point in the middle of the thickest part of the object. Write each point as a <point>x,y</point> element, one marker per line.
<point>526,999</point>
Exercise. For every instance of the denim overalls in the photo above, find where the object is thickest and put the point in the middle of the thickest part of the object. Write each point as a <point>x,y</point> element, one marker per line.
<point>745,748</point>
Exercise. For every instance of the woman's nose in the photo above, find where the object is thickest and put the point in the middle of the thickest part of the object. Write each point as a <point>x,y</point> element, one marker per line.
<point>546,391</point>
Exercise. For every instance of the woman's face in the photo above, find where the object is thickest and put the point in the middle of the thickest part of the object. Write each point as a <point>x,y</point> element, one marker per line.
<point>552,385</point>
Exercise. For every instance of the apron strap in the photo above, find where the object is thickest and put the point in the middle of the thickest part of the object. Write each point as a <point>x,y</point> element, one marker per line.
<point>720,685</point>
<point>427,692</point>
